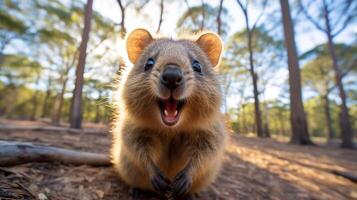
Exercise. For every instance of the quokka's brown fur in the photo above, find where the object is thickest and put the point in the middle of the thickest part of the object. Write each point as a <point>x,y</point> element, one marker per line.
<point>178,160</point>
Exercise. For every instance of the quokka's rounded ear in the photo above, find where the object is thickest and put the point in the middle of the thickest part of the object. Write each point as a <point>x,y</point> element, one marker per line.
<point>136,42</point>
<point>212,45</point>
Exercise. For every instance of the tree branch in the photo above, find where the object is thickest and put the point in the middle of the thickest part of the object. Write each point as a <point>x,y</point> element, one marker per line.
<point>161,15</point>
<point>344,25</point>
<point>219,20</point>
<point>260,15</point>
<point>244,8</point>
<point>187,4</point>
<point>122,23</point>
<point>142,5</point>
<point>97,45</point>
<point>309,17</point>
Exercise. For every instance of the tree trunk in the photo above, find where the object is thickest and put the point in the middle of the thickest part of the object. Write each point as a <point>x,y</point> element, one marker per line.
<point>326,105</point>
<point>45,106</point>
<point>266,130</point>
<point>258,115</point>
<point>97,114</point>
<point>76,108</point>
<point>281,124</point>
<point>266,121</point>
<point>227,83</point>
<point>346,128</point>
<point>35,102</point>
<point>56,118</point>
<point>299,126</point>
<point>161,15</point>
<point>219,20</point>
<point>97,109</point>
<point>244,124</point>
<point>35,106</point>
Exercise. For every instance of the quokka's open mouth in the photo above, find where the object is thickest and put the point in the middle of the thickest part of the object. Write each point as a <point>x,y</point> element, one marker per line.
<point>170,110</point>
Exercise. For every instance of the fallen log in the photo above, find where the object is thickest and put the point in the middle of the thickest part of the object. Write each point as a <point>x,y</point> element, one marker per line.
<point>49,128</point>
<point>349,175</point>
<point>14,153</point>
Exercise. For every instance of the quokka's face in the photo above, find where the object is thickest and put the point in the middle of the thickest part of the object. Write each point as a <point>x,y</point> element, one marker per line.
<point>172,81</point>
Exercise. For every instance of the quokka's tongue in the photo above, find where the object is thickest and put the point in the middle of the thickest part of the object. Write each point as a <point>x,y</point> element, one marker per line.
<point>170,109</point>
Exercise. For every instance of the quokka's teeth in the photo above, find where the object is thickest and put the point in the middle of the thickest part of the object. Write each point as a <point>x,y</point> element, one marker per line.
<point>166,113</point>
<point>175,112</point>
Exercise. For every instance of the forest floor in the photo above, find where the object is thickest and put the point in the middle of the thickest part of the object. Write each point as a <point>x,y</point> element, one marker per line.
<point>254,168</point>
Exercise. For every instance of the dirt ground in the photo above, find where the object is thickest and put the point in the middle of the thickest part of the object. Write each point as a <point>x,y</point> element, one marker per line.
<point>254,169</point>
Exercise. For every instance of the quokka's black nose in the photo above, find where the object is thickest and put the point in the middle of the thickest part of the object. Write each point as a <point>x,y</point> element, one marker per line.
<point>172,77</point>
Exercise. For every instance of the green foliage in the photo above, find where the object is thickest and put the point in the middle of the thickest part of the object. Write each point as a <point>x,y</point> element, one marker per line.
<point>318,74</point>
<point>243,122</point>
<point>19,68</point>
<point>317,119</point>
<point>18,62</point>
<point>56,9</point>
<point>11,23</point>
<point>56,27</point>
<point>55,36</point>
<point>13,107</point>
<point>279,118</point>
<point>191,20</point>
<point>265,47</point>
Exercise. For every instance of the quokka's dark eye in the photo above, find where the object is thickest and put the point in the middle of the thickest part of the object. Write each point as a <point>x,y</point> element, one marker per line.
<point>149,64</point>
<point>196,66</point>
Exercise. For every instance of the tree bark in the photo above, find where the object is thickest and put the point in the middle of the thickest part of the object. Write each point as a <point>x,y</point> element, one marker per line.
<point>258,115</point>
<point>45,106</point>
<point>326,105</point>
<point>76,108</point>
<point>34,106</point>
<point>266,121</point>
<point>348,175</point>
<point>56,118</point>
<point>35,101</point>
<point>346,128</point>
<point>15,153</point>
<point>281,123</point>
<point>161,15</point>
<point>97,114</point>
<point>97,109</point>
<point>52,129</point>
<point>244,124</point>
<point>299,126</point>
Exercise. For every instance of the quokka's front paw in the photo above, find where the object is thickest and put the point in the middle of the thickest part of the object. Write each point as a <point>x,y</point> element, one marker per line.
<point>180,186</point>
<point>160,183</point>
